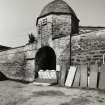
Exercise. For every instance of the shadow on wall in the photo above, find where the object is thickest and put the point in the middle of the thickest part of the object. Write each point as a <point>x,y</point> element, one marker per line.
<point>3,77</point>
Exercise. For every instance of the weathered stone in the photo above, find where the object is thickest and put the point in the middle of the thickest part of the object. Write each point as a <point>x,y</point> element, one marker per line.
<point>55,28</point>
<point>91,44</point>
<point>14,63</point>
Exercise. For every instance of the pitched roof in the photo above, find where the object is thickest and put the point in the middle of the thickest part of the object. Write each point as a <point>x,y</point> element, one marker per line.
<point>57,6</point>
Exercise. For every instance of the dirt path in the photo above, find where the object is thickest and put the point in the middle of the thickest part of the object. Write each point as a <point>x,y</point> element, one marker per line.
<point>15,93</point>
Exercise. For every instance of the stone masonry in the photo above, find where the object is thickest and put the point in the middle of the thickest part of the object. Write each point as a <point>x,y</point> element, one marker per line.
<point>58,31</point>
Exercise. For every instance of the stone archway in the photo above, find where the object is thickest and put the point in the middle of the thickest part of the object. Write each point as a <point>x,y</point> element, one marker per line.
<point>45,59</point>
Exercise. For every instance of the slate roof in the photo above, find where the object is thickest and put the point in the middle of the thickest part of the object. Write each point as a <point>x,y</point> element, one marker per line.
<point>57,6</point>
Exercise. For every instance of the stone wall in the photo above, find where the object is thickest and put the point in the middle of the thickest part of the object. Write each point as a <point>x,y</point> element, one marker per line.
<point>53,27</point>
<point>18,63</point>
<point>61,25</point>
<point>44,29</point>
<point>60,45</point>
<point>89,47</point>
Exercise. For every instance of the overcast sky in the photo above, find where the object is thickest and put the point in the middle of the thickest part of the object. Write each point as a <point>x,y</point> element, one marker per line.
<point>18,17</point>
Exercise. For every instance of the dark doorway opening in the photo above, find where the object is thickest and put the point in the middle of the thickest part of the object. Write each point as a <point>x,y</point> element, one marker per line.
<point>45,59</point>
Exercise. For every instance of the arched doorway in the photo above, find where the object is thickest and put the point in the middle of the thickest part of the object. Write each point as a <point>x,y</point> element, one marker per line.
<point>45,59</point>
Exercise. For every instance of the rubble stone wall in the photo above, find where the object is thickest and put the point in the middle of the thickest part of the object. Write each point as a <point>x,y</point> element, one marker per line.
<point>61,25</point>
<point>18,63</point>
<point>89,47</point>
<point>59,45</point>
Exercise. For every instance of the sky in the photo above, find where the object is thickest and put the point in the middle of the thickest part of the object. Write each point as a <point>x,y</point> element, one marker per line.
<point>18,17</point>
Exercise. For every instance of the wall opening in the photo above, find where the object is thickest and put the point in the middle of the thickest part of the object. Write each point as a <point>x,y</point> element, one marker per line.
<point>45,59</point>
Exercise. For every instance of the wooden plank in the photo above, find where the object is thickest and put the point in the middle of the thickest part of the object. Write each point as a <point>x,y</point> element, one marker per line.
<point>53,74</point>
<point>84,79</point>
<point>93,76</point>
<point>63,73</point>
<point>40,73</point>
<point>70,76</point>
<point>76,82</point>
<point>48,74</point>
<point>102,78</point>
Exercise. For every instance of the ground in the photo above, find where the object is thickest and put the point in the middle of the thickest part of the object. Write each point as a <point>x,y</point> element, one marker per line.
<point>16,93</point>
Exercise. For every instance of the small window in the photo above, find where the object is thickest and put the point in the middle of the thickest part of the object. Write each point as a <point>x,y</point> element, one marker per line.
<point>44,21</point>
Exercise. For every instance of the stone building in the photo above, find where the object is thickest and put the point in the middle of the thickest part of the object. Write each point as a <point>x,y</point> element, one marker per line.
<point>61,43</point>
<point>55,24</point>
